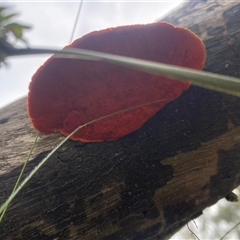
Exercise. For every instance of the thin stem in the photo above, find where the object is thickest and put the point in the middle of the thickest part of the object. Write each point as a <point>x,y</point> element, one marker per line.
<point>21,174</point>
<point>19,188</point>
<point>76,20</point>
<point>229,231</point>
<point>192,232</point>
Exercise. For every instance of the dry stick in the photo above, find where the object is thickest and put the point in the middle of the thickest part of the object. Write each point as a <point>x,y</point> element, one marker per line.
<point>13,195</point>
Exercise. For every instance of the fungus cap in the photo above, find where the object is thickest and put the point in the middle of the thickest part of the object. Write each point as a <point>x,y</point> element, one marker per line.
<point>66,93</point>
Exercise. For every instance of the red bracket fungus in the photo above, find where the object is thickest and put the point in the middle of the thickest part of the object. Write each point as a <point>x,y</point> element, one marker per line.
<point>66,93</point>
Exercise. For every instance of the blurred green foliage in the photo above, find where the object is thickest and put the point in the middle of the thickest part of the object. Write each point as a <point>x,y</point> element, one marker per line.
<point>10,32</point>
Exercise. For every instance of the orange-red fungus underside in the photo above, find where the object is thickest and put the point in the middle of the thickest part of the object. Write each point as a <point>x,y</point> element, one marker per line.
<point>66,93</point>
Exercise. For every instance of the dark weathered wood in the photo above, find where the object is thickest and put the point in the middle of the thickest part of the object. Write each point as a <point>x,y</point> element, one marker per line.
<point>146,185</point>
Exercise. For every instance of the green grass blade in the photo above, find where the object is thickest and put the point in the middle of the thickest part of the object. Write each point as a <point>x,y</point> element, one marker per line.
<point>217,82</point>
<point>20,175</point>
<point>26,180</point>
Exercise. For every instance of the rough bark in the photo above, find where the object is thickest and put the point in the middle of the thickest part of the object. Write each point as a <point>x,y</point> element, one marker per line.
<point>148,184</point>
